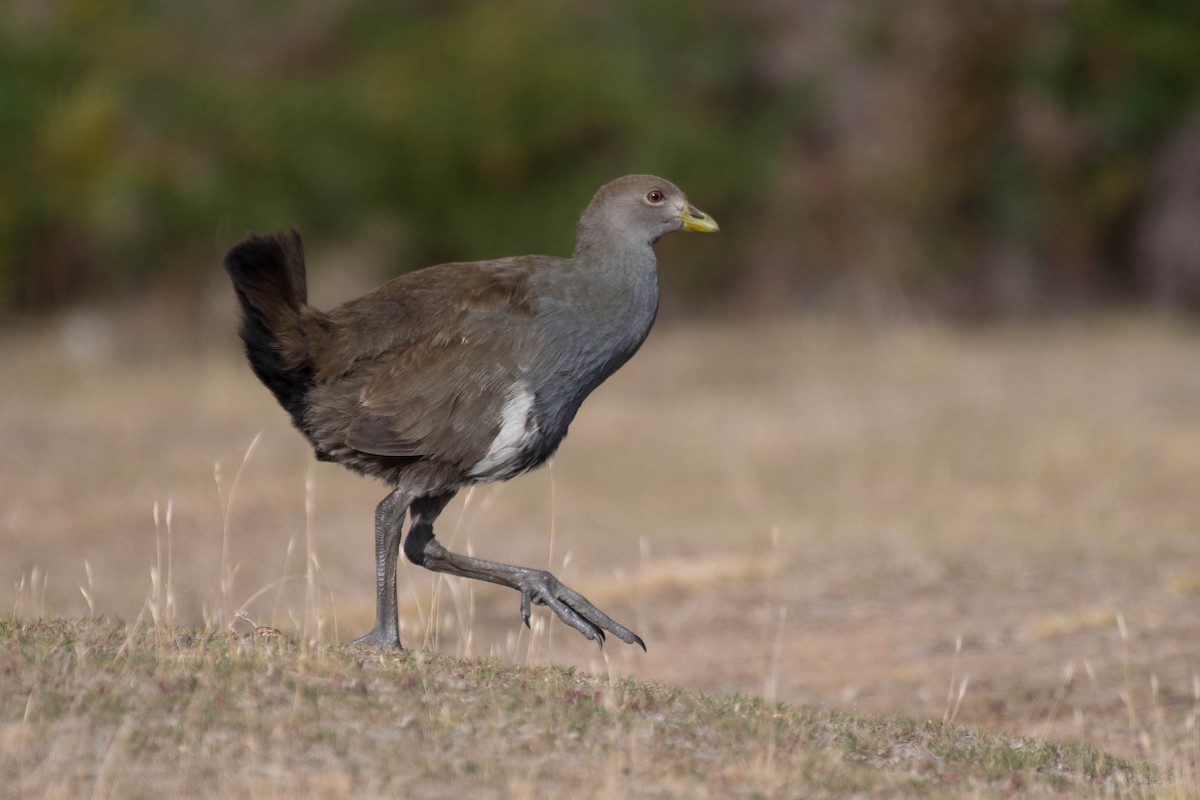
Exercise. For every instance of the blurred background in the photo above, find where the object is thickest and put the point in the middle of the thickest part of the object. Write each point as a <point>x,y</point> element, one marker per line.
<point>822,479</point>
<point>966,159</point>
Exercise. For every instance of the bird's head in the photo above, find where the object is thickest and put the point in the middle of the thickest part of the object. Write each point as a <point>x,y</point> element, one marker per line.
<point>641,209</point>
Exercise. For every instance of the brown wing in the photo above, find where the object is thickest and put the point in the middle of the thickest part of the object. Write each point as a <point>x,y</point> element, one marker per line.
<point>440,400</point>
<point>442,303</point>
<point>441,396</point>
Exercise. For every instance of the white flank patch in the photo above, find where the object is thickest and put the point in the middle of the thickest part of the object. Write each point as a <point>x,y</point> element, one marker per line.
<point>516,429</point>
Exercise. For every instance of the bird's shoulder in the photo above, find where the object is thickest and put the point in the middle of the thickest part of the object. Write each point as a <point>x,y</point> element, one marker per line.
<point>448,303</point>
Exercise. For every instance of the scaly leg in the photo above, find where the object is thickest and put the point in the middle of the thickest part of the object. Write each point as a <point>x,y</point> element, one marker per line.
<point>389,519</point>
<point>535,585</point>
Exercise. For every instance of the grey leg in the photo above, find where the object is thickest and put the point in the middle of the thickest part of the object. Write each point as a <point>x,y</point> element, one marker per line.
<point>389,519</point>
<point>535,585</point>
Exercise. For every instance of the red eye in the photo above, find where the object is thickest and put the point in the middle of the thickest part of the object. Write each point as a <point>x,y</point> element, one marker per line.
<point>655,196</point>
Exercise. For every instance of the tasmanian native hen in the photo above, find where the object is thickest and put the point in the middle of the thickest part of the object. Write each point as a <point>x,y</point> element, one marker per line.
<point>460,374</point>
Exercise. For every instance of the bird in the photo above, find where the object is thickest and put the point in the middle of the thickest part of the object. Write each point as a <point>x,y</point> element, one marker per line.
<point>460,374</point>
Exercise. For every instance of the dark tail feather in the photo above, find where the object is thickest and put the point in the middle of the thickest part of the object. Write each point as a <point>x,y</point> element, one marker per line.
<point>268,276</point>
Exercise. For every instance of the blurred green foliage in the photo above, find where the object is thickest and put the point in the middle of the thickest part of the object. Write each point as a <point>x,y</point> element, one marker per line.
<point>143,137</point>
<point>1026,138</point>
<point>1125,75</point>
<point>140,138</point>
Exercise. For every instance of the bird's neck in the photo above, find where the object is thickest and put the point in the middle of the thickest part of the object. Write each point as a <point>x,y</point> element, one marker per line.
<point>602,309</point>
<point>619,277</point>
<point>596,237</point>
<point>607,255</point>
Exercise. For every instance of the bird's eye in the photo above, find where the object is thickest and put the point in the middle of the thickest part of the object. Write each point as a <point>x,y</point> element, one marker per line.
<point>655,196</point>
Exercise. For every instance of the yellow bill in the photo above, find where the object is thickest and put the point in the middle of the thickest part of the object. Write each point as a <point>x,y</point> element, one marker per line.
<point>696,220</point>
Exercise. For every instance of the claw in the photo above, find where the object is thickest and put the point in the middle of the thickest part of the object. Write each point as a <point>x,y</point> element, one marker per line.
<point>572,608</point>
<point>536,586</point>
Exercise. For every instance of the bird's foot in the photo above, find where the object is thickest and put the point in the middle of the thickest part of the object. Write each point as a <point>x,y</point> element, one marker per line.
<point>539,586</point>
<point>381,639</point>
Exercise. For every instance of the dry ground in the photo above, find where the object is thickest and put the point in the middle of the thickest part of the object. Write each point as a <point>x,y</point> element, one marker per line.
<point>93,708</point>
<point>999,527</point>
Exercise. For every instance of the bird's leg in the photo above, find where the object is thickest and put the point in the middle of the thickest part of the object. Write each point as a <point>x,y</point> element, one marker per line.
<point>535,585</point>
<point>389,519</point>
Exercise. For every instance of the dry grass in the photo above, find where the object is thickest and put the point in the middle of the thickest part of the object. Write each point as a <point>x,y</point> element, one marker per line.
<point>94,708</point>
<point>995,527</point>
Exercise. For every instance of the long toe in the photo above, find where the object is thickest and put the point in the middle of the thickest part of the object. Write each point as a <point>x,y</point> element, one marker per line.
<point>598,618</point>
<point>573,609</point>
<point>538,594</point>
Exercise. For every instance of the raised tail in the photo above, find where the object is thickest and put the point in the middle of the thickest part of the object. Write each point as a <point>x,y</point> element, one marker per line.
<point>268,276</point>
